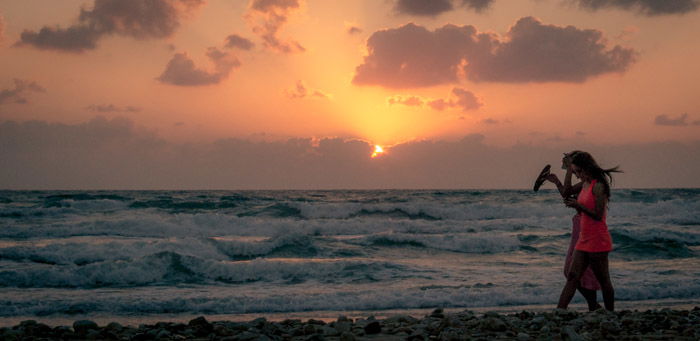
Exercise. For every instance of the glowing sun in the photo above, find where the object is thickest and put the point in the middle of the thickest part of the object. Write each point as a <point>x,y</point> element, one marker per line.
<point>378,151</point>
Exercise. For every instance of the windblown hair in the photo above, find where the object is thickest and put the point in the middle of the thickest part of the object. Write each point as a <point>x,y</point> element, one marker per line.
<point>588,164</point>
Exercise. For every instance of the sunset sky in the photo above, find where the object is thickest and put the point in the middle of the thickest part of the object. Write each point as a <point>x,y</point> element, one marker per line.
<point>297,93</point>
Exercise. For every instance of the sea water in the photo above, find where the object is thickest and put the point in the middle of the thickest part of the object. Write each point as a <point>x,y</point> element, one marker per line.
<point>140,255</point>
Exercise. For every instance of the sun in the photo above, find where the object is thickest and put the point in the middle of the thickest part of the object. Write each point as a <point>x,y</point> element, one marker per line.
<point>378,151</point>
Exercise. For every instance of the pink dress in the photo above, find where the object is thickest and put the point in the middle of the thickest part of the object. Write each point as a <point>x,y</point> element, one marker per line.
<point>594,236</point>
<point>588,280</point>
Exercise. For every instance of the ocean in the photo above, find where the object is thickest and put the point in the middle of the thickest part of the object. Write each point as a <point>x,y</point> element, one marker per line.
<point>146,255</point>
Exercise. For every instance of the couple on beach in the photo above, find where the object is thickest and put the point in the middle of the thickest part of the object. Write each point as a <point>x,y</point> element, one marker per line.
<point>586,266</point>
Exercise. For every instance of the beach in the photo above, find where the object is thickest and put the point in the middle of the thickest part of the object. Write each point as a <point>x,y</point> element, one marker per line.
<point>664,324</point>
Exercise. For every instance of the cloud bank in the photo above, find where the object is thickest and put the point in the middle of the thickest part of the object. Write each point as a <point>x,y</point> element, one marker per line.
<point>18,94</point>
<point>412,56</point>
<point>432,8</point>
<point>646,7</point>
<point>104,108</point>
<point>267,17</point>
<point>114,154</point>
<point>182,71</point>
<point>139,19</point>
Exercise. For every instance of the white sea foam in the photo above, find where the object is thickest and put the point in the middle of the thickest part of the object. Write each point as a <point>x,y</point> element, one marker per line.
<point>199,299</point>
<point>468,243</point>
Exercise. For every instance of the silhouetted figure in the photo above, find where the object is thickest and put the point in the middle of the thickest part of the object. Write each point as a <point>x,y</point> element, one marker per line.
<point>590,198</point>
<point>588,284</point>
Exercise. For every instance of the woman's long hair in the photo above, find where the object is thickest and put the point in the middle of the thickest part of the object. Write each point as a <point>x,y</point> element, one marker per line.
<point>588,164</point>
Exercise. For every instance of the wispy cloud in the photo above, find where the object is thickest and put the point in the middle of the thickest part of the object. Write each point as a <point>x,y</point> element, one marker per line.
<point>105,108</point>
<point>300,91</point>
<point>18,94</point>
<point>680,121</point>
<point>267,17</point>
<point>460,98</point>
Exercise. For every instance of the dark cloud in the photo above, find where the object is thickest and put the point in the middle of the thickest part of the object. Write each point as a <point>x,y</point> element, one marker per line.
<point>115,153</point>
<point>103,108</point>
<point>71,39</point>
<point>152,19</point>
<point>354,30</point>
<point>490,121</point>
<point>432,8</point>
<point>412,56</point>
<point>236,41</point>
<point>477,5</point>
<point>536,52</point>
<point>665,120</point>
<point>423,7</point>
<point>411,101</point>
<point>182,71</point>
<point>647,7</point>
<point>300,91</point>
<point>267,17</point>
<point>18,94</point>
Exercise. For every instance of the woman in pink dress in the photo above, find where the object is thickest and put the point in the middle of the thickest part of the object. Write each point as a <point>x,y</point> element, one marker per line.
<point>588,284</point>
<point>594,241</point>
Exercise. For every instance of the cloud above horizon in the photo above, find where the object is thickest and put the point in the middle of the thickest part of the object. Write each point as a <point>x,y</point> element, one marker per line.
<point>433,8</point>
<point>18,94</point>
<point>153,19</point>
<point>115,153</point>
<point>267,17</point>
<point>352,30</point>
<point>412,56</point>
<point>646,7</point>
<point>462,99</point>
<point>182,71</point>
<point>300,91</point>
<point>680,121</point>
<point>104,108</point>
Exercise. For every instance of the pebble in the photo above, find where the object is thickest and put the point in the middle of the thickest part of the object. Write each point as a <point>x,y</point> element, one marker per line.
<point>438,325</point>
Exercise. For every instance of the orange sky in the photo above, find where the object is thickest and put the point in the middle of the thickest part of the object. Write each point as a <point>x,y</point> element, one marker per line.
<point>308,75</point>
<point>253,98</point>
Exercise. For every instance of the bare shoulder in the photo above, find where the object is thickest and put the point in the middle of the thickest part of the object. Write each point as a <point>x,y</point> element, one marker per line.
<point>599,188</point>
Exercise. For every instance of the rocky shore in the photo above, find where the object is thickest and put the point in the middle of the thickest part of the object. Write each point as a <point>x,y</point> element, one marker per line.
<point>664,324</point>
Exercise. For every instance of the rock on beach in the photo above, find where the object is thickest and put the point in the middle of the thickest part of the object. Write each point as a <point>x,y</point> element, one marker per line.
<point>664,324</point>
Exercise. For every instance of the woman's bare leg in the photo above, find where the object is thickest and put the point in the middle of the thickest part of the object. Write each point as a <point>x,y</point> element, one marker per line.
<point>579,263</point>
<point>590,296</point>
<point>599,265</point>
